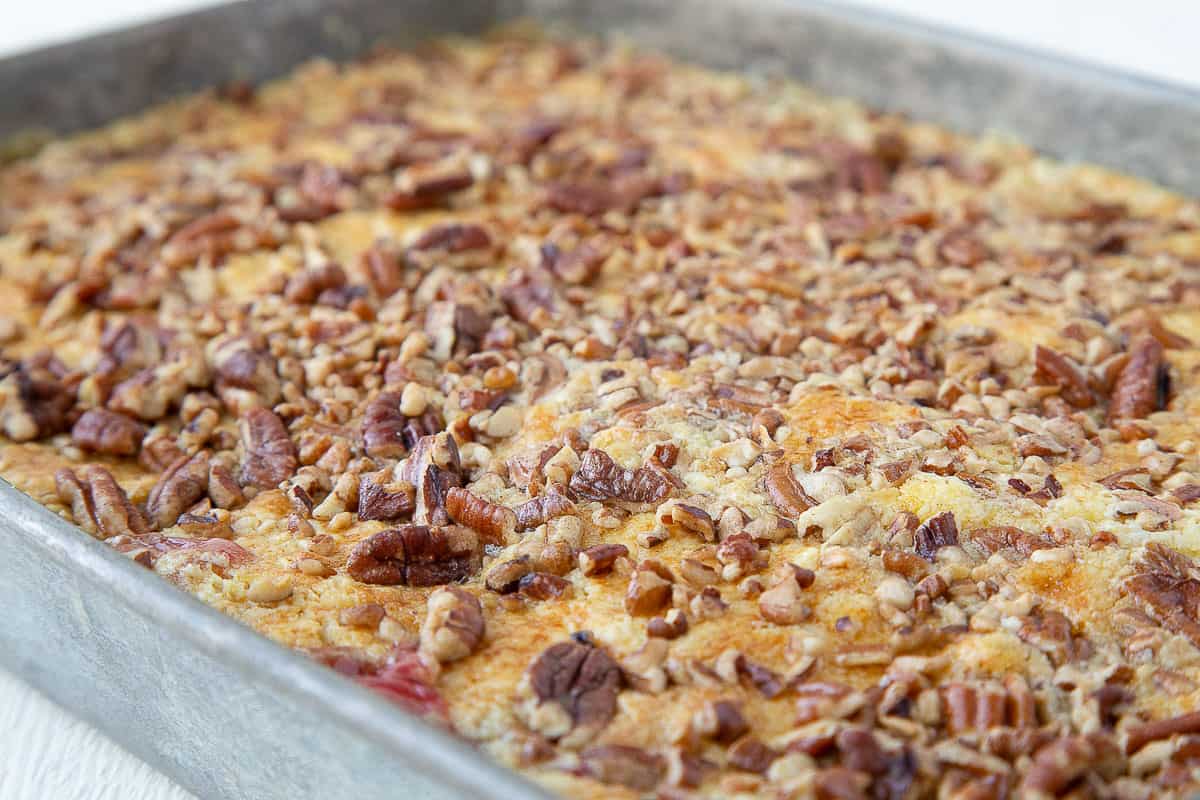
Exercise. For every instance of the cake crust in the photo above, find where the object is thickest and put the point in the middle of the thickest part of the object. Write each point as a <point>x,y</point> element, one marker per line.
<point>661,431</point>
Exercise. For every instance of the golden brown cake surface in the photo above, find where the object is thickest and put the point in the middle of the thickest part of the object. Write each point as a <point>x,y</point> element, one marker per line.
<point>659,430</point>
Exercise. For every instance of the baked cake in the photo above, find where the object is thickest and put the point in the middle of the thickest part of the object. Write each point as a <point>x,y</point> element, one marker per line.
<point>661,431</point>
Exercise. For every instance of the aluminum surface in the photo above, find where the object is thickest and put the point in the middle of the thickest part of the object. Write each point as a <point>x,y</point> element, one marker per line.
<point>229,714</point>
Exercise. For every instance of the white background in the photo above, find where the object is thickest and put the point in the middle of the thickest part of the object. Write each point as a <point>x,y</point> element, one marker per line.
<point>44,753</point>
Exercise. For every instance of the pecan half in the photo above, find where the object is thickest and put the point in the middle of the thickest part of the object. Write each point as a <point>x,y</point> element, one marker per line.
<point>183,484</point>
<point>307,285</point>
<point>453,626</point>
<point>494,523</point>
<point>1142,386</point>
<point>384,500</point>
<point>1167,584</point>
<point>98,504</point>
<point>102,431</point>
<point>579,679</point>
<point>601,478</point>
<point>1054,368</point>
<point>935,533</point>
<point>415,555</point>
<point>270,453</point>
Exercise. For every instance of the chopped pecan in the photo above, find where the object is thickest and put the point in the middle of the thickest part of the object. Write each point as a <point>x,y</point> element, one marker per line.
<point>624,765</point>
<point>34,401</point>
<point>1138,736</point>
<point>505,577</point>
<point>935,533</point>
<point>765,680</point>
<point>223,489</point>
<point>649,589</point>
<point>415,555</point>
<point>599,559</point>
<point>102,431</point>
<point>579,679</point>
<point>580,265</point>
<point>720,720</point>
<point>384,269</point>
<point>98,504</point>
<point>433,467</point>
<point>245,374</point>
<point>690,518</point>
<point>601,478</point>
<point>149,546</point>
<point>454,625</point>
<point>183,484</point>
<point>453,237</point>
<point>428,187</point>
<point>307,285</point>
<point>749,754</point>
<point>1167,584</point>
<point>1142,385</point>
<point>540,510</point>
<point>1062,762</point>
<point>542,586</point>
<point>785,493</point>
<point>381,499</point>
<point>1051,632</point>
<point>1007,537</point>
<point>455,327</point>
<point>672,626</point>
<point>494,523</point>
<point>783,603</point>
<point>270,453</point>
<point>1058,370</point>
<point>383,427</point>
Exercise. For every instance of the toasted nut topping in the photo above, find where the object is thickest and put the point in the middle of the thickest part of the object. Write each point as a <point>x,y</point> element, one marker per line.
<point>453,626</point>
<point>649,591</point>
<point>495,524</point>
<point>269,589</point>
<point>599,560</point>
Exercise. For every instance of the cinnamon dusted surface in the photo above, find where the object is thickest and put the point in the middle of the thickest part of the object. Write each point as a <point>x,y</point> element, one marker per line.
<point>660,430</point>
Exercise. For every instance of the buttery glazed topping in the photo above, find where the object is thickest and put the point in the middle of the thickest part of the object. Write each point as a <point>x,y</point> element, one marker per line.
<point>661,431</point>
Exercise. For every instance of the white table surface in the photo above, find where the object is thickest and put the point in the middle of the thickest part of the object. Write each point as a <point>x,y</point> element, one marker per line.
<point>46,753</point>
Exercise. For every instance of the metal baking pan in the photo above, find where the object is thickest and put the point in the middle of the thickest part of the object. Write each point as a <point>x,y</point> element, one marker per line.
<point>229,714</point>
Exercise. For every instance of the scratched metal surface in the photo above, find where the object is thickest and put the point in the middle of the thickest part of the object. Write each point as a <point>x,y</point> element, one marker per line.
<point>230,715</point>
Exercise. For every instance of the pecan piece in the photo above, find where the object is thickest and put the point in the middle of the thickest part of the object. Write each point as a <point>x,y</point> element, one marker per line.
<point>1142,735</point>
<point>624,765</point>
<point>102,431</point>
<point>540,510</point>
<point>649,589</point>
<point>453,626</point>
<point>1143,383</point>
<point>599,559</point>
<point>383,427</point>
<point>783,603</point>
<point>34,401</point>
<point>1054,368</point>
<point>751,755</point>
<point>1006,537</point>
<point>383,500</point>
<point>245,374</point>
<point>453,237</point>
<point>433,467</point>
<point>785,493</point>
<point>571,685</point>
<point>601,478</point>
<point>494,523</point>
<point>183,484</point>
<point>270,453</point>
<point>935,533</point>
<point>1063,761</point>
<point>98,504</point>
<point>542,586</point>
<point>1167,584</point>
<point>307,285</point>
<point>415,555</point>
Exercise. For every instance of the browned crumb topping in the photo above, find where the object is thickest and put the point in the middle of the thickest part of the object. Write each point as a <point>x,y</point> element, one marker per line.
<point>662,431</point>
